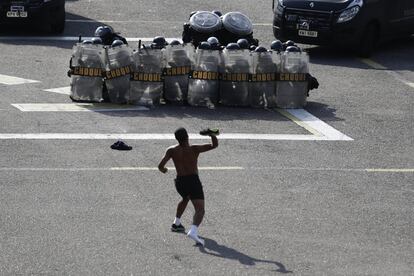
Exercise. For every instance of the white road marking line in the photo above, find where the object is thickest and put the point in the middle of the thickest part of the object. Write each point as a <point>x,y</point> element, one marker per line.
<point>221,168</point>
<point>391,170</point>
<point>153,136</point>
<point>171,168</point>
<point>10,80</point>
<point>372,170</point>
<point>400,78</point>
<point>141,21</point>
<point>395,75</point>
<point>122,21</point>
<point>372,64</point>
<point>297,121</point>
<point>76,107</point>
<point>60,90</point>
<point>211,168</point>
<point>326,131</point>
<point>74,38</point>
<point>319,129</point>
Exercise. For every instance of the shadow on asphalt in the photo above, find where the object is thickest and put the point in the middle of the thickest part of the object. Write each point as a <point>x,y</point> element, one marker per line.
<point>330,55</point>
<point>218,250</point>
<point>223,114</point>
<point>76,26</point>
<point>322,111</point>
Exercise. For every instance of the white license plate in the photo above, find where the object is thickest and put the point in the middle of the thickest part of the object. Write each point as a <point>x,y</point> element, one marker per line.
<point>16,11</point>
<point>308,33</point>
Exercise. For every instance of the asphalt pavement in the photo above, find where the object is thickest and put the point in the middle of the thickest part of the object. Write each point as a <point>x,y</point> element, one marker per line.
<point>73,206</point>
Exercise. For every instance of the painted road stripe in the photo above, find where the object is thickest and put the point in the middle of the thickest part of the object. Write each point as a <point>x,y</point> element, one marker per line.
<point>60,90</point>
<point>391,170</point>
<point>10,80</point>
<point>395,75</point>
<point>315,124</point>
<point>211,168</point>
<point>140,21</point>
<point>319,129</point>
<point>288,115</point>
<point>224,168</point>
<point>73,38</point>
<point>170,168</point>
<point>76,107</point>
<point>373,64</point>
<point>372,170</point>
<point>155,136</point>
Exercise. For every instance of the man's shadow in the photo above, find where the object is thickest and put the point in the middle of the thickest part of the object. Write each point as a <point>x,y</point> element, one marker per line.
<point>213,248</point>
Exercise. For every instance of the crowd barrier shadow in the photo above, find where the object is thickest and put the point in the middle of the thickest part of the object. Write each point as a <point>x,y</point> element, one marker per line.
<point>224,113</point>
<point>218,250</point>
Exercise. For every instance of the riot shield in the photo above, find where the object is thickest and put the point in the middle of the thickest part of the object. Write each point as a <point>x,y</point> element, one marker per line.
<point>118,73</point>
<point>87,65</point>
<point>146,79</point>
<point>292,82</point>
<point>234,77</point>
<point>203,85</point>
<point>262,91</point>
<point>178,65</point>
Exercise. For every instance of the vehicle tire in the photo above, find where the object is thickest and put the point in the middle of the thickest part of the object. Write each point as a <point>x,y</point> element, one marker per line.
<point>57,24</point>
<point>368,41</point>
<point>275,34</point>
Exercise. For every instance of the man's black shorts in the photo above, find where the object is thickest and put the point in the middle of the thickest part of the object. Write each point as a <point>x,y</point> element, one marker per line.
<point>189,186</point>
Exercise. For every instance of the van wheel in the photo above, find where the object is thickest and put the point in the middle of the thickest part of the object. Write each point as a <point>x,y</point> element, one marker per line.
<point>368,41</point>
<point>57,23</point>
<point>275,34</point>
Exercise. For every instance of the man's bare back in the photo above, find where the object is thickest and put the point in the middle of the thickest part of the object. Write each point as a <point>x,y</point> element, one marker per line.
<point>185,159</point>
<point>185,156</point>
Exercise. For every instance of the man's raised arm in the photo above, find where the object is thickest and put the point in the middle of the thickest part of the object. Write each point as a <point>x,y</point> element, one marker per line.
<point>214,141</point>
<point>207,147</point>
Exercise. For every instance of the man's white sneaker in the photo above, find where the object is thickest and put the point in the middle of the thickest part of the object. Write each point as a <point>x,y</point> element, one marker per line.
<point>194,237</point>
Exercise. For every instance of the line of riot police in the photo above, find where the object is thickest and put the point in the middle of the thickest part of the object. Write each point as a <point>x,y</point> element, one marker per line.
<point>200,71</point>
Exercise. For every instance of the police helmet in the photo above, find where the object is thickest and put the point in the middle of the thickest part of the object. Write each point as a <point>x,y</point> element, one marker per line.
<point>293,49</point>
<point>287,44</point>
<point>276,45</point>
<point>243,43</point>
<point>97,40</point>
<point>87,41</point>
<point>204,46</point>
<point>214,42</point>
<point>252,47</point>
<point>159,41</point>
<point>217,12</point>
<point>260,49</point>
<point>104,32</point>
<point>290,43</point>
<point>175,42</point>
<point>233,46</point>
<point>117,43</point>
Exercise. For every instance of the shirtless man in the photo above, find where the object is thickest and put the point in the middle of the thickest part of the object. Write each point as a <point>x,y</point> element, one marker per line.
<point>187,183</point>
